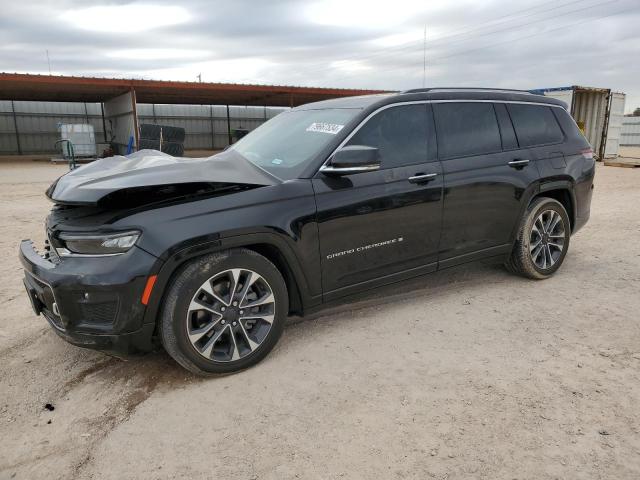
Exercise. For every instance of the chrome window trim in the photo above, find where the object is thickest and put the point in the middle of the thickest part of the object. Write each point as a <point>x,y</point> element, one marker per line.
<point>420,102</point>
<point>363,169</point>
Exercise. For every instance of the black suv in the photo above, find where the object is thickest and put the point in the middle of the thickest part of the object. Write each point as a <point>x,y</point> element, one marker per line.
<point>209,256</point>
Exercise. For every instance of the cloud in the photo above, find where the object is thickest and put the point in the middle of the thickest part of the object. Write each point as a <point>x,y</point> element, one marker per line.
<point>122,18</point>
<point>357,43</point>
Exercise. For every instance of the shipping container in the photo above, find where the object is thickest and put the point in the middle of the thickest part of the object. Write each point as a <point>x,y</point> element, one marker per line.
<point>630,136</point>
<point>597,111</point>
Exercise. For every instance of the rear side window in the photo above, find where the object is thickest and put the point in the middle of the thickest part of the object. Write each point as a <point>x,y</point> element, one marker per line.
<point>534,125</point>
<point>466,129</point>
<point>569,126</point>
<point>399,133</point>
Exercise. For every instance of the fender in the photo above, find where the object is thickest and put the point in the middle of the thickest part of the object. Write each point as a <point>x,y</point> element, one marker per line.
<point>536,189</point>
<point>168,263</point>
<point>564,184</point>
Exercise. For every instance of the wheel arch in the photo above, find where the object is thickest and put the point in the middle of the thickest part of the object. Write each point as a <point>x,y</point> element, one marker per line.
<point>275,256</point>
<point>267,245</point>
<point>563,192</point>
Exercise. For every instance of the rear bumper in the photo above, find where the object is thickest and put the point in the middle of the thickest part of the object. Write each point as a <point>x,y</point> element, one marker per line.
<point>583,196</point>
<point>92,302</point>
<point>581,221</point>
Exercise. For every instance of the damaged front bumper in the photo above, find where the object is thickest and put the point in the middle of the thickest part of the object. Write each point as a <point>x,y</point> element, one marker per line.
<point>92,302</point>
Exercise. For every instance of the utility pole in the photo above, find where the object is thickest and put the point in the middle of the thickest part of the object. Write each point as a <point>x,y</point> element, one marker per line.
<point>48,61</point>
<point>199,77</point>
<point>424,58</point>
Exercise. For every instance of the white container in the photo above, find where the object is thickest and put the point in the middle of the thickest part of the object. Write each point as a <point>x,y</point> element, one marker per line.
<point>614,132</point>
<point>630,136</point>
<point>82,136</point>
<point>598,112</point>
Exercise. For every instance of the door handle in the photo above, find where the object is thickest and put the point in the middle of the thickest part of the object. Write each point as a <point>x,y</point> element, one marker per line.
<point>518,163</point>
<point>422,177</point>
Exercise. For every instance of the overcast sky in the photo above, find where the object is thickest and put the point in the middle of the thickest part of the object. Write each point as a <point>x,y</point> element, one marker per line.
<point>338,43</point>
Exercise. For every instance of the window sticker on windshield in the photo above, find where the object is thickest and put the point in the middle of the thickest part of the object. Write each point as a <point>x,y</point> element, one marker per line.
<point>330,128</point>
<point>276,161</point>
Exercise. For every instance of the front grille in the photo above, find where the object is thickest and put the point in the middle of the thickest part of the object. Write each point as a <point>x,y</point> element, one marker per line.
<point>49,251</point>
<point>103,312</point>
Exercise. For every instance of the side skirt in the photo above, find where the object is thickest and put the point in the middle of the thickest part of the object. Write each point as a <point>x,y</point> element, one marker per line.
<point>473,256</point>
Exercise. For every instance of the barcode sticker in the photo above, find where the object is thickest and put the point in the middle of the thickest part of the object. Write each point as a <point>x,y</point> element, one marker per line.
<point>330,128</point>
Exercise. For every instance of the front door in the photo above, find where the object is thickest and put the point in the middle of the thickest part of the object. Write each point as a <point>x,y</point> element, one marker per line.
<point>380,226</point>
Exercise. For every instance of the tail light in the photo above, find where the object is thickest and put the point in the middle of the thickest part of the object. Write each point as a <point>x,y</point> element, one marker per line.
<point>587,153</point>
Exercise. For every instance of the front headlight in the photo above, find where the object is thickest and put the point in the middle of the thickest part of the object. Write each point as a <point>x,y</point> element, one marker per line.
<point>91,244</point>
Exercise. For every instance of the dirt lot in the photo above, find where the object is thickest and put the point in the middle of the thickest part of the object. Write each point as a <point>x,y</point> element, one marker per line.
<point>468,373</point>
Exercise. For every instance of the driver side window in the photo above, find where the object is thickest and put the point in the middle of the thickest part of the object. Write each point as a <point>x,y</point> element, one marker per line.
<point>399,133</point>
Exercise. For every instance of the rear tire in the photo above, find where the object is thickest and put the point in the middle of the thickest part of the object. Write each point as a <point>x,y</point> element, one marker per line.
<point>542,240</point>
<point>224,312</point>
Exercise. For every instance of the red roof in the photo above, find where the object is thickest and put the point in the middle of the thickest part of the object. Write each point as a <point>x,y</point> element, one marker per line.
<point>18,86</point>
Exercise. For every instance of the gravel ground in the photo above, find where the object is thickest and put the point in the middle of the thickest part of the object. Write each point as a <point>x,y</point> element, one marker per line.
<point>467,373</point>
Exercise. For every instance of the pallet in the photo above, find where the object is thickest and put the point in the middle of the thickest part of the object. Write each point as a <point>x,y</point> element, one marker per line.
<point>78,160</point>
<point>627,163</point>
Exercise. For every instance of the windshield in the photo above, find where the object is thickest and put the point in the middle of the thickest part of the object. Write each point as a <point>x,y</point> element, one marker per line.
<point>286,144</point>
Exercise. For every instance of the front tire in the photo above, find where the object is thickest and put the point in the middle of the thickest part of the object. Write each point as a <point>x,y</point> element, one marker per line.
<point>542,241</point>
<point>224,312</point>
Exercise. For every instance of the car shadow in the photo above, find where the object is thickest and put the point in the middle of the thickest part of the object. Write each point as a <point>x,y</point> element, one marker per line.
<point>426,286</point>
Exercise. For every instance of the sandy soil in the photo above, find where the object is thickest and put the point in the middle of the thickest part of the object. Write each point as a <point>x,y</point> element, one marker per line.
<point>468,373</point>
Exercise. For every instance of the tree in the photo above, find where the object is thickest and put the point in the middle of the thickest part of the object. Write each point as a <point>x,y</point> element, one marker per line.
<point>636,112</point>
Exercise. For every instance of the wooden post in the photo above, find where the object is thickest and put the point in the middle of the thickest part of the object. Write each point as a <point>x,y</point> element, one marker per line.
<point>213,131</point>
<point>229,126</point>
<point>104,124</point>
<point>15,126</point>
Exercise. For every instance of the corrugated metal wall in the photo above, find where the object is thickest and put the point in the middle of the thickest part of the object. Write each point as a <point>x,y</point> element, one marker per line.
<point>205,125</point>
<point>590,108</point>
<point>630,135</point>
<point>37,123</point>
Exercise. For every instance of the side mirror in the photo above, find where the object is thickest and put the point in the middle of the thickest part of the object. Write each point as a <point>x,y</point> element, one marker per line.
<point>353,159</point>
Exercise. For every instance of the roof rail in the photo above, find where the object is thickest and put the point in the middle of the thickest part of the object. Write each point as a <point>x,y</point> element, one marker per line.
<point>464,89</point>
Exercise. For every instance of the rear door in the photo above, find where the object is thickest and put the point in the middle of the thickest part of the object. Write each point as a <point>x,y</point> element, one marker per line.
<point>537,130</point>
<point>486,175</point>
<point>379,225</point>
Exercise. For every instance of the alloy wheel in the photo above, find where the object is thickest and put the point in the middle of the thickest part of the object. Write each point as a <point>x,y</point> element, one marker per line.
<point>547,239</point>
<point>230,315</point>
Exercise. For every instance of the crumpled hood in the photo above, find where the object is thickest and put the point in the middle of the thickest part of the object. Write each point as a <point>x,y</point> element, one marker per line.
<point>146,168</point>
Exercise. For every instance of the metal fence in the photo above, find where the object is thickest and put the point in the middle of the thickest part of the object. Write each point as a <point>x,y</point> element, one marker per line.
<point>206,125</point>
<point>630,134</point>
<point>32,127</point>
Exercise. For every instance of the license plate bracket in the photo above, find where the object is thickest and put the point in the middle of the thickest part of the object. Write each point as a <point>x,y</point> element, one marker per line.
<point>36,304</point>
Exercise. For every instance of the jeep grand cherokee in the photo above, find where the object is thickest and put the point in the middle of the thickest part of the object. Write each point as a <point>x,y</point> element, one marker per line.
<point>209,256</point>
